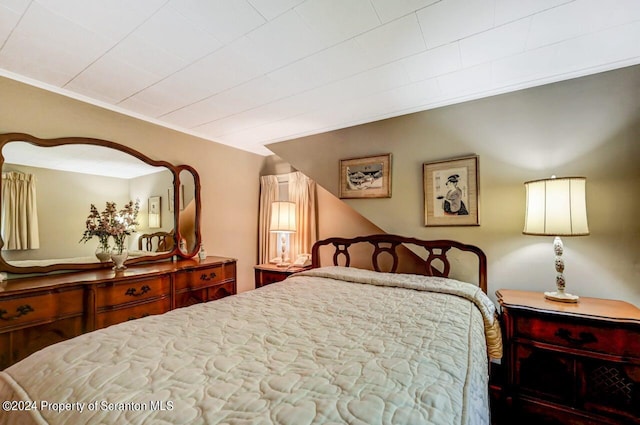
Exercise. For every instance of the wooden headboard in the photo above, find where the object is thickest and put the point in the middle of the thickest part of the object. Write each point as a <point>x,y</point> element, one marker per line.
<point>156,242</point>
<point>436,250</point>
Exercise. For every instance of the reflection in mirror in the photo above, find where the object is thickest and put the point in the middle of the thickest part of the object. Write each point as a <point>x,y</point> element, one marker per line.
<point>68,179</point>
<point>189,233</point>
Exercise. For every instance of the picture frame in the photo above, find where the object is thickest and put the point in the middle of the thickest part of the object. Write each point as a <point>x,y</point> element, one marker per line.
<point>451,192</point>
<point>170,198</point>
<point>154,212</point>
<point>367,177</point>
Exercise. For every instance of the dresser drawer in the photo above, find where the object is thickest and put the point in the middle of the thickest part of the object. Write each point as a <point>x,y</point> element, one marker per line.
<point>113,294</point>
<point>221,291</point>
<point>26,341</point>
<point>198,278</point>
<point>39,308</point>
<point>589,335</point>
<point>186,298</point>
<point>111,317</point>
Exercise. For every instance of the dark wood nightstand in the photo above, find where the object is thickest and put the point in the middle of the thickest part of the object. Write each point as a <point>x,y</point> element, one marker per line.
<point>570,363</point>
<point>270,273</point>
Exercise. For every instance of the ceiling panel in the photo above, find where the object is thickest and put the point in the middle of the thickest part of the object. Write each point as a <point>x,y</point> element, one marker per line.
<point>147,55</point>
<point>389,10</point>
<point>8,20</point>
<point>270,9</point>
<point>433,62</point>
<point>505,40</point>
<point>509,10</point>
<point>111,80</point>
<point>472,17</point>
<point>338,19</point>
<point>251,72</point>
<point>112,19</point>
<point>223,19</point>
<point>395,40</point>
<point>49,47</point>
<point>177,35</point>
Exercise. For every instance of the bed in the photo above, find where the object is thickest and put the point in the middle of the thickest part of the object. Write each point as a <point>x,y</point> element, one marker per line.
<point>330,345</point>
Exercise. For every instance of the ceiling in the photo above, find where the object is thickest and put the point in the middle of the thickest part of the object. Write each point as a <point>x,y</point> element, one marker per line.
<point>86,159</point>
<point>248,73</point>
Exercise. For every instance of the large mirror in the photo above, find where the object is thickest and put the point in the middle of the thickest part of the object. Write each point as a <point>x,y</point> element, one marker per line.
<point>189,204</point>
<point>49,185</point>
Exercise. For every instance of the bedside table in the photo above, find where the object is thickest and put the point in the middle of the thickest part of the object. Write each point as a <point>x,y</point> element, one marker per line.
<point>570,363</point>
<point>270,273</point>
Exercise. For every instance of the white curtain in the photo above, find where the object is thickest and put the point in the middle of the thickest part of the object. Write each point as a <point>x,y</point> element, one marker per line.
<point>302,191</point>
<point>19,211</point>
<point>267,241</point>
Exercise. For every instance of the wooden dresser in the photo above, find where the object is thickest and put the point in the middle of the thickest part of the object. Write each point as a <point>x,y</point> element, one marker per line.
<point>570,363</point>
<point>39,311</point>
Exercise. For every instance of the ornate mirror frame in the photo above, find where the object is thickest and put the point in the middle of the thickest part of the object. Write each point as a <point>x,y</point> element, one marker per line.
<point>177,187</point>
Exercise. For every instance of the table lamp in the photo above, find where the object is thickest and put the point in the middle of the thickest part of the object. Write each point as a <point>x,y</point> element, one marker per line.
<point>557,207</point>
<point>283,221</point>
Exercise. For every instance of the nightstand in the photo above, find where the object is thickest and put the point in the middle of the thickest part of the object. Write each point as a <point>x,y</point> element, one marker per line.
<point>570,363</point>
<point>270,273</point>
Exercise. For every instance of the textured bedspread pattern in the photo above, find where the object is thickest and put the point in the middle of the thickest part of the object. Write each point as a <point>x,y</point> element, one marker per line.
<point>329,346</point>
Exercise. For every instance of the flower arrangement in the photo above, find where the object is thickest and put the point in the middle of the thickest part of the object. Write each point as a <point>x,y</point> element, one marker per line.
<point>122,223</point>
<point>96,226</point>
<point>111,223</point>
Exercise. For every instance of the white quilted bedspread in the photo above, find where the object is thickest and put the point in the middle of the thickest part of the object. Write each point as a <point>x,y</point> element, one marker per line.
<point>309,350</point>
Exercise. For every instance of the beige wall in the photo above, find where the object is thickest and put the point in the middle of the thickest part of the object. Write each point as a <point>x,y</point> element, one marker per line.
<point>63,200</point>
<point>585,127</point>
<point>229,177</point>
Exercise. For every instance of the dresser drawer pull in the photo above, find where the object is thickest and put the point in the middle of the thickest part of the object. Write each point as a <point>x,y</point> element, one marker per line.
<point>206,277</point>
<point>23,310</point>
<point>584,337</point>
<point>133,292</point>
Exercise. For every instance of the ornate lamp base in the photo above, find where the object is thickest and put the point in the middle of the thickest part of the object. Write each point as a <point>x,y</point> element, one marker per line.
<point>561,296</point>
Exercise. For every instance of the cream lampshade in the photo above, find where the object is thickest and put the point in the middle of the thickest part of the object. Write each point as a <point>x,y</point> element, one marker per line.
<point>557,207</point>
<point>283,221</point>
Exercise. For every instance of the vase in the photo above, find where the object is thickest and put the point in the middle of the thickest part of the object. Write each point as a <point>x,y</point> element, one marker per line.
<point>103,254</point>
<point>119,257</point>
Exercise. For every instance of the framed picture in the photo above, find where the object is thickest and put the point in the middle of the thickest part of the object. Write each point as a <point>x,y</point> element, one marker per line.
<point>170,198</point>
<point>154,212</point>
<point>451,192</point>
<point>368,177</point>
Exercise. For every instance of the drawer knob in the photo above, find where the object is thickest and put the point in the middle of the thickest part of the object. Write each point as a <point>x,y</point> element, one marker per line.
<point>133,292</point>
<point>23,310</point>
<point>209,276</point>
<point>583,337</point>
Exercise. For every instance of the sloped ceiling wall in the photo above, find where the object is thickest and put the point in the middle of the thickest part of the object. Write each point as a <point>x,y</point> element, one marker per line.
<point>585,127</point>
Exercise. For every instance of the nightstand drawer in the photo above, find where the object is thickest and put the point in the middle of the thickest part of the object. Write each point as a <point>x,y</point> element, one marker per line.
<point>267,274</point>
<point>585,336</point>
<point>269,277</point>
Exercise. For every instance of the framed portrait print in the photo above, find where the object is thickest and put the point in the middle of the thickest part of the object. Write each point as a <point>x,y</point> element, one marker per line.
<point>368,177</point>
<point>451,192</point>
